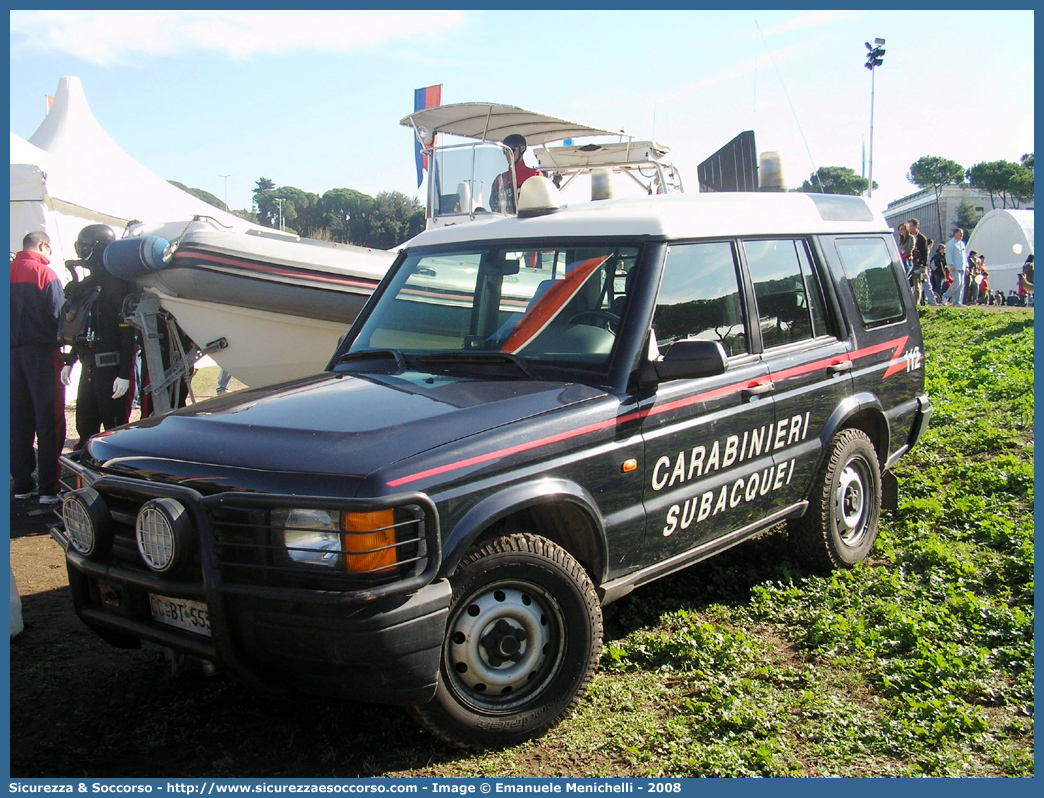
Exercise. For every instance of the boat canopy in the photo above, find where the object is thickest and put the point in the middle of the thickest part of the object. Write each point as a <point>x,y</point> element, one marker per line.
<point>494,122</point>
<point>589,156</point>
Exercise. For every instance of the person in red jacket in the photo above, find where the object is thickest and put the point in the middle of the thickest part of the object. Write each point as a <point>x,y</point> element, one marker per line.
<point>500,196</point>
<point>37,404</point>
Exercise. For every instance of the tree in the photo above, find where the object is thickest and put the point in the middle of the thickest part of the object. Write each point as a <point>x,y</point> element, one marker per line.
<point>347,213</point>
<point>301,211</point>
<point>997,178</point>
<point>931,171</point>
<point>835,180</point>
<point>262,185</point>
<point>967,216</point>
<point>395,218</point>
<point>199,193</point>
<point>267,208</point>
<point>1021,188</point>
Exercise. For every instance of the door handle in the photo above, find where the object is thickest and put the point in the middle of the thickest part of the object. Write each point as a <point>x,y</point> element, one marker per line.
<point>761,389</point>
<point>840,368</point>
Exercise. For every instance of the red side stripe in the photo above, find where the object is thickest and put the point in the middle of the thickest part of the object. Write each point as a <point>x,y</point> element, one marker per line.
<point>895,365</point>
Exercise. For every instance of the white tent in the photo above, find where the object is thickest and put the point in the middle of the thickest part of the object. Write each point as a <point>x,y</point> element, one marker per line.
<point>1005,237</point>
<point>71,173</point>
<point>30,208</point>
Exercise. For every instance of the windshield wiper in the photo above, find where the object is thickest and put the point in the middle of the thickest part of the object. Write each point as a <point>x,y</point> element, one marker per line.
<point>366,356</point>
<point>477,359</point>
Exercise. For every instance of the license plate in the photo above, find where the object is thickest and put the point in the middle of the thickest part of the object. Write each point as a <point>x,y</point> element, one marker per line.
<point>191,616</point>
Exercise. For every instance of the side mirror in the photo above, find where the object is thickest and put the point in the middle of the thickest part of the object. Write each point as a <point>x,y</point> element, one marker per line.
<point>690,359</point>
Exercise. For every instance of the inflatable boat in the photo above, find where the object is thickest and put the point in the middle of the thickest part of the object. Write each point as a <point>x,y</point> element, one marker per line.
<point>278,303</point>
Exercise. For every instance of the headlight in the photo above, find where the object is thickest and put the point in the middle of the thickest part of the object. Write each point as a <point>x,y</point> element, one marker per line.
<point>353,542</point>
<point>164,535</point>
<point>88,524</point>
<point>312,537</point>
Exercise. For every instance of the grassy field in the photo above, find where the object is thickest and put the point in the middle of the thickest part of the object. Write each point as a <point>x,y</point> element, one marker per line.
<point>917,662</point>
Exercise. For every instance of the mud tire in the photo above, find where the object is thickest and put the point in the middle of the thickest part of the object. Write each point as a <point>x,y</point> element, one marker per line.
<point>522,644</point>
<point>840,526</point>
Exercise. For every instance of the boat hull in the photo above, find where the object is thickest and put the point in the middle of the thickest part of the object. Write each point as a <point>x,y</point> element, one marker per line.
<point>281,304</point>
<point>264,348</point>
<point>336,302</point>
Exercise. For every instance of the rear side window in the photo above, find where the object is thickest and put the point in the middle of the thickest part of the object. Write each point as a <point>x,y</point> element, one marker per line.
<point>700,298</point>
<point>870,272</point>
<point>790,303</point>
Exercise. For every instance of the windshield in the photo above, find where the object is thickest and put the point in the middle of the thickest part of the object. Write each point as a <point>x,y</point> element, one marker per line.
<point>546,307</point>
<point>471,178</point>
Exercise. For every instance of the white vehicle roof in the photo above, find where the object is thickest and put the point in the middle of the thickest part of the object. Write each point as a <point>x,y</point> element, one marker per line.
<point>495,121</point>
<point>678,216</point>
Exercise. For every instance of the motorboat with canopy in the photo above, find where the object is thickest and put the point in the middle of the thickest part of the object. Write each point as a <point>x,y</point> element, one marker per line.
<point>463,178</point>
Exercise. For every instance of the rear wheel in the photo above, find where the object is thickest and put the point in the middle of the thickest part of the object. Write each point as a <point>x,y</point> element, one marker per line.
<point>522,644</point>
<point>845,505</point>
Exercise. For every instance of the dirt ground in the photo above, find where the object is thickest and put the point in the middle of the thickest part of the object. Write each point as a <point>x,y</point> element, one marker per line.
<point>80,707</point>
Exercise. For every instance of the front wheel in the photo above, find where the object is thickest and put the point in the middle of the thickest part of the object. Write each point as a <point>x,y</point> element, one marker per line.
<point>522,644</point>
<point>845,505</point>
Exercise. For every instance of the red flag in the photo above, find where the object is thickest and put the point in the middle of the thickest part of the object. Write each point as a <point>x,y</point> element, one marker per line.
<point>428,97</point>
<point>50,102</point>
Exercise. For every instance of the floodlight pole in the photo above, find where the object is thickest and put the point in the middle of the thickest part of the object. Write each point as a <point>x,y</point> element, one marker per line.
<point>226,189</point>
<point>874,58</point>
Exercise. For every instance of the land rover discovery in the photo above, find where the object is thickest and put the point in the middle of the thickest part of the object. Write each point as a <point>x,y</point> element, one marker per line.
<point>531,418</point>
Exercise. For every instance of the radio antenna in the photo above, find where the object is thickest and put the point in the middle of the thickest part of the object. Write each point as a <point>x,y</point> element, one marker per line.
<point>815,170</point>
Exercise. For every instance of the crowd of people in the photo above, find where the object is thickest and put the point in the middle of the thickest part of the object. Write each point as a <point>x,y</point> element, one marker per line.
<point>941,274</point>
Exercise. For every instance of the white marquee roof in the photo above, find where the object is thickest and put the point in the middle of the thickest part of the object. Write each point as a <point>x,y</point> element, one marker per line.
<point>85,168</point>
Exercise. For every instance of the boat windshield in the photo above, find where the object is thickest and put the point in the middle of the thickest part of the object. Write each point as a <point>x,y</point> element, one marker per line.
<point>471,178</point>
<point>548,307</point>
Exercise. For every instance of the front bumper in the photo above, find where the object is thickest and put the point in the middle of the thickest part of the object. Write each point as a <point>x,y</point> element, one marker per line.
<point>381,644</point>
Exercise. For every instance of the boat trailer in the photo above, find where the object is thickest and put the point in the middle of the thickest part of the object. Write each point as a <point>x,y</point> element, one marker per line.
<point>166,365</point>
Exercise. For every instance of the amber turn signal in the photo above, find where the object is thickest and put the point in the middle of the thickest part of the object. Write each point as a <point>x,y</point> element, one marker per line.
<point>368,542</point>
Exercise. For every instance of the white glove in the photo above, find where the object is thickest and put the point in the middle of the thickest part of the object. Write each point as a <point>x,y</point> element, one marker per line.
<point>67,375</point>
<point>119,387</point>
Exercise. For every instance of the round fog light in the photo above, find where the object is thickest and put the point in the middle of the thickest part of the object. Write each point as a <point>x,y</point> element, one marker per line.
<point>88,524</point>
<point>164,535</point>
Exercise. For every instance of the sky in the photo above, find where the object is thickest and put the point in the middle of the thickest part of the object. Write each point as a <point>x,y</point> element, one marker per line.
<point>313,99</point>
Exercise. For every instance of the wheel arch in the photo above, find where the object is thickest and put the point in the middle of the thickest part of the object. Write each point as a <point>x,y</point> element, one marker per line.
<point>558,509</point>
<point>863,412</point>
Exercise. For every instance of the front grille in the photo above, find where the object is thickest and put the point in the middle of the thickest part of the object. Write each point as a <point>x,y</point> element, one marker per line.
<point>246,551</point>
